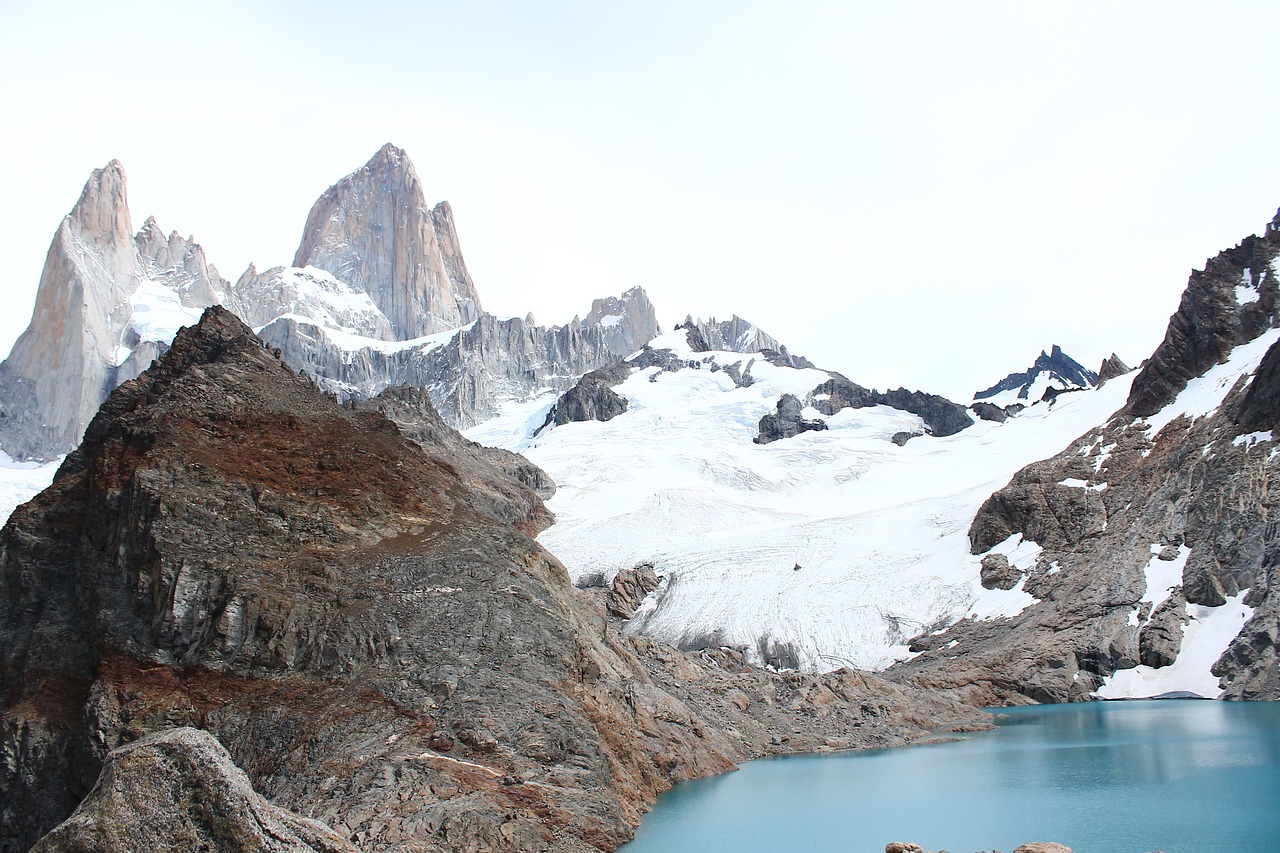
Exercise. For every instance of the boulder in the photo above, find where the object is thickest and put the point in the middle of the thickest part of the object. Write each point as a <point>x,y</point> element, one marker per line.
<point>176,791</point>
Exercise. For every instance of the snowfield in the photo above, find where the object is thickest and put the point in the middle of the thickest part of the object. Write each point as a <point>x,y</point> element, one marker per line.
<point>21,481</point>
<point>831,548</point>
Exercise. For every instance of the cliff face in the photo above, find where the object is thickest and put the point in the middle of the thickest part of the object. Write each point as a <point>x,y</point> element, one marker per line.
<point>53,380</point>
<point>374,231</point>
<point>231,550</point>
<point>87,335</point>
<point>1149,533</point>
<point>468,375</point>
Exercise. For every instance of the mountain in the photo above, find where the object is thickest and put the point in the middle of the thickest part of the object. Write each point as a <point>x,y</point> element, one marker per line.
<point>108,302</point>
<point>1052,373</point>
<point>355,608</point>
<point>1140,560</point>
<point>374,231</point>
<point>378,286</point>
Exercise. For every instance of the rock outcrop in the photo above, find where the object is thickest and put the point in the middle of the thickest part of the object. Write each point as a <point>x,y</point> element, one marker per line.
<point>229,549</point>
<point>1231,301</point>
<point>177,791</point>
<point>1112,368</point>
<point>1134,493</point>
<point>629,588</point>
<point>787,421</point>
<point>939,414</point>
<point>593,398</point>
<point>374,231</point>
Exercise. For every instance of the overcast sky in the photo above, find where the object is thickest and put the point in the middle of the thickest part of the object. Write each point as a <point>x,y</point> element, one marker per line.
<point>912,193</point>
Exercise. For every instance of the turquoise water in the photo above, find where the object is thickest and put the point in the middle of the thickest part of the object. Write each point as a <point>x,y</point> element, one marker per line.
<point>1180,776</point>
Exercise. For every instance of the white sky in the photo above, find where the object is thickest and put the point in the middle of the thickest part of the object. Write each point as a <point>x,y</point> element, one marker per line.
<point>918,193</point>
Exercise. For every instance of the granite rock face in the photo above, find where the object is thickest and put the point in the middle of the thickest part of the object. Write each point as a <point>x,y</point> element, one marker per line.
<point>375,646</point>
<point>628,321</point>
<point>82,340</point>
<point>374,231</point>
<point>177,791</point>
<point>1127,496</point>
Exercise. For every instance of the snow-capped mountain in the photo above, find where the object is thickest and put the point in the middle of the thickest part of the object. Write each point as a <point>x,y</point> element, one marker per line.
<point>1145,550</point>
<point>108,302</point>
<point>1052,373</point>
<point>379,295</point>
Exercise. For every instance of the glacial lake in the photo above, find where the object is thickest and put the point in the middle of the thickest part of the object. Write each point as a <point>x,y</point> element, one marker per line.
<point>1179,776</point>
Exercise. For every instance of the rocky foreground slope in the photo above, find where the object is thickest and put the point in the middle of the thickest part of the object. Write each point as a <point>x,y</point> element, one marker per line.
<point>363,621</point>
<point>1146,550</point>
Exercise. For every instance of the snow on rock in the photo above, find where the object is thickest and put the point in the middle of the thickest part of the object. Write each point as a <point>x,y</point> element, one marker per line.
<point>158,314</point>
<point>830,548</point>
<point>1204,639</point>
<point>1205,393</point>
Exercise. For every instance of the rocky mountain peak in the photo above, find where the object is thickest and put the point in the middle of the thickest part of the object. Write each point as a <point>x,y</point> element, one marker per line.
<point>374,231</point>
<point>629,321</point>
<point>1051,370</point>
<point>1231,301</point>
<point>101,215</point>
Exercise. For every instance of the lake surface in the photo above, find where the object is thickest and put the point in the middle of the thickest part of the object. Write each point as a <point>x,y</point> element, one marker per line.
<point>1180,776</point>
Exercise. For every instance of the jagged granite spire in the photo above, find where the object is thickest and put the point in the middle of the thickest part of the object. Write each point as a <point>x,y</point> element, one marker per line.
<point>629,322</point>
<point>374,231</point>
<point>60,368</point>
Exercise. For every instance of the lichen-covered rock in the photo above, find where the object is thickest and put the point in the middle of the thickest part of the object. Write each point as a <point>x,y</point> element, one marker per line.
<point>177,791</point>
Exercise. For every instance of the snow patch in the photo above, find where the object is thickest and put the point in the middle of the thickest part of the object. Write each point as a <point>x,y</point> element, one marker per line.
<point>1252,438</point>
<point>1204,394</point>
<point>158,314</point>
<point>1204,639</point>
<point>21,481</point>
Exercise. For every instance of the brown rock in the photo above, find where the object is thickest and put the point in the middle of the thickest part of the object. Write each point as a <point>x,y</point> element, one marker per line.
<point>1043,847</point>
<point>629,588</point>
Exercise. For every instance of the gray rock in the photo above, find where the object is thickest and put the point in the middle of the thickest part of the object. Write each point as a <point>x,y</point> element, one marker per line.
<point>1160,639</point>
<point>1210,321</point>
<point>998,574</point>
<point>593,398</point>
<point>628,322</point>
<point>786,422</point>
<point>177,791</point>
<point>1112,368</point>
